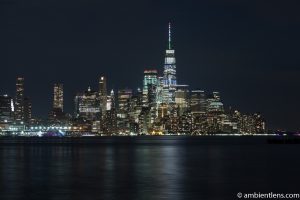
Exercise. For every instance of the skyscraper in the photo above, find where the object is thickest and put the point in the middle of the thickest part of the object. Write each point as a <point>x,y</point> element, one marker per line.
<point>6,109</point>
<point>181,99</point>
<point>169,80</point>
<point>109,125</point>
<point>87,105</point>
<point>111,101</point>
<point>198,102</point>
<point>103,94</point>
<point>56,115</point>
<point>159,90</point>
<point>124,97</point>
<point>150,82</point>
<point>19,101</point>
<point>214,103</point>
<point>27,111</point>
<point>58,97</point>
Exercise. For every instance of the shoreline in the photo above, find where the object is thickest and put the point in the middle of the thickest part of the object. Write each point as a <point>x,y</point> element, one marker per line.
<point>149,140</point>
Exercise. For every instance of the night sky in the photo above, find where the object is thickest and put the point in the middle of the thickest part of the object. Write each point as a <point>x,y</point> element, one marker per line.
<point>246,50</point>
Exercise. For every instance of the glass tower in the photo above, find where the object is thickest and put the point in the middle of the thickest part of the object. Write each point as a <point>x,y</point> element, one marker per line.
<point>19,101</point>
<point>58,96</point>
<point>6,109</point>
<point>169,81</point>
<point>149,85</point>
<point>103,94</point>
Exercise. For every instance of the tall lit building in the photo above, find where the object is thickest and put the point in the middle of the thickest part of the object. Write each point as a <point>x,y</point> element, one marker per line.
<point>136,105</point>
<point>198,102</point>
<point>139,96</point>
<point>58,97</point>
<point>214,104</point>
<point>124,97</point>
<point>109,125</point>
<point>149,83</point>
<point>19,101</point>
<point>159,90</point>
<point>27,111</point>
<point>181,99</point>
<point>87,105</point>
<point>169,79</point>
<point>110,104</point>
<point>56,115</point>
<point>103,94</point>
<point>6,109</point>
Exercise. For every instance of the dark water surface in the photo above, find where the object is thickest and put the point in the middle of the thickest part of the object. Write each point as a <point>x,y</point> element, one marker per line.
<point>148,168</point>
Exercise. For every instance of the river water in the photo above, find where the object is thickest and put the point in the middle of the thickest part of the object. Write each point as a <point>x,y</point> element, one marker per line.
<point>148,168</point>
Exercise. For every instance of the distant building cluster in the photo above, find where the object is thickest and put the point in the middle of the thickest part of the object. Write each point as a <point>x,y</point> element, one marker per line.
<point>160,107</point>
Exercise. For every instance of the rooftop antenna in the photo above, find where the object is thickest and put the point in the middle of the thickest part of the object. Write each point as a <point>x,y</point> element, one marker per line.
<point>169,35</point>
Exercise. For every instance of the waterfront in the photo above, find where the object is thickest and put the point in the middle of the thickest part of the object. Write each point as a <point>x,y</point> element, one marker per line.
<point>147,168</point>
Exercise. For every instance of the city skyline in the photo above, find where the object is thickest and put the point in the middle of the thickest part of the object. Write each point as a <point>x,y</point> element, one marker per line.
<point>167,77</point>
<point>250,81</point>
<point>149,99</point>
<point>161,107</point>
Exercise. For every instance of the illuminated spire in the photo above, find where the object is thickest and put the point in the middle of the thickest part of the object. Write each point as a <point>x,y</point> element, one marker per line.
<point>169,35</point>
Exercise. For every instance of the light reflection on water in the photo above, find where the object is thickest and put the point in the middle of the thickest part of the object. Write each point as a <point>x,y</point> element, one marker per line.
<point>163,169</point>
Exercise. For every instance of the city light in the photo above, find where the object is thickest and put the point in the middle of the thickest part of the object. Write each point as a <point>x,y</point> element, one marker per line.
<point>162,107</point>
